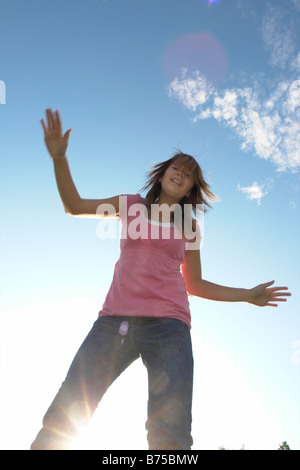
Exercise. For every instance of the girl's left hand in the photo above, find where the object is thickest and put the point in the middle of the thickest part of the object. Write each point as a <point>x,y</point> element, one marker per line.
<point>264,295</point>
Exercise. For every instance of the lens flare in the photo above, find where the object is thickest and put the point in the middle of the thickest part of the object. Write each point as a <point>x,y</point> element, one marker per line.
<point>200,52</point>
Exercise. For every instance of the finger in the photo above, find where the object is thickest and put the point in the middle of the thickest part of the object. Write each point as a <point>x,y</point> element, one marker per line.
<point>267,284</point>
<point>67,135</point>
<point>44,125</point>
<point>283,294</point>
<point>281,290</point>
<point>58,121</point>
<point>278,288</point>
<point>278,300</point>
<point>271,305</point>
<point>50,119</point>
<point>68,132</point>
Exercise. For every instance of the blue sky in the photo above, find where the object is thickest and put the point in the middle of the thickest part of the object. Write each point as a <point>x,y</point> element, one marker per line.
<point>136,79</point>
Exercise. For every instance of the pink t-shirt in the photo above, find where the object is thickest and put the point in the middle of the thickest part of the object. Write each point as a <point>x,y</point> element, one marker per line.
<point>147,280</point>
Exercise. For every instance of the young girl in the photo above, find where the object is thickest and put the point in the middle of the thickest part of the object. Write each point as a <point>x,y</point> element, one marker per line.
<point>146,312</point>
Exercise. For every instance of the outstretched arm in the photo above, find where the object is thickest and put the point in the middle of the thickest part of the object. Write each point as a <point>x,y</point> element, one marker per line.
<point>57,144</point>
<point>261,295</point>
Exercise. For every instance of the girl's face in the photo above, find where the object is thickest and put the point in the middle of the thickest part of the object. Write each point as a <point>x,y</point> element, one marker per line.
<point>176,182</point>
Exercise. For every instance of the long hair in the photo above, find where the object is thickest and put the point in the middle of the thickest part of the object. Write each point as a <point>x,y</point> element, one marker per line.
<point>200,193</point>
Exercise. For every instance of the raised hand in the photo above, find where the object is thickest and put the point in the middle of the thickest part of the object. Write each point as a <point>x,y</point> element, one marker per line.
<point>56,142</point>
<point>264,295</point>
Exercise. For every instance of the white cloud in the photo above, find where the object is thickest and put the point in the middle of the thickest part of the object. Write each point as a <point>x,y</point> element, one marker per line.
<point>256,192</point>
<point>295,64</point>
<point>225,107</point>
<point>277,37</point>
<point>293,101</point>
<point>269,126</point>
<point>191,91</point>
<point>265,117</point>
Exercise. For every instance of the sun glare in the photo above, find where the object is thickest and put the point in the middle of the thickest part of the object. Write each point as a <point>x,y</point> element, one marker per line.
<point>119,421</point>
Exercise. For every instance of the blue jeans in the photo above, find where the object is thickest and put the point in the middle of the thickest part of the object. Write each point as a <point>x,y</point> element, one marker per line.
<point>112,345</point>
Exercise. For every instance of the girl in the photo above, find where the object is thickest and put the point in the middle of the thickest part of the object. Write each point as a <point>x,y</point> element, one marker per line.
<point>146,311</point>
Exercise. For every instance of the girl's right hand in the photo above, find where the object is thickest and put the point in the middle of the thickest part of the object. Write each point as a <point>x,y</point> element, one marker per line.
<point>56,142</point>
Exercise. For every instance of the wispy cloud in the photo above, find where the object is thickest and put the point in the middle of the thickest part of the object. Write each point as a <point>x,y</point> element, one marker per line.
<point>192,91</point>
<point>296,4</point>
<point>270,126</point>
<point>256,192</point>
<point>277,37</point>
<point>265,117</point>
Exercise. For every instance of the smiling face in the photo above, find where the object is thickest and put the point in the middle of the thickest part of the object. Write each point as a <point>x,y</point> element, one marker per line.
<point>176,182</point>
